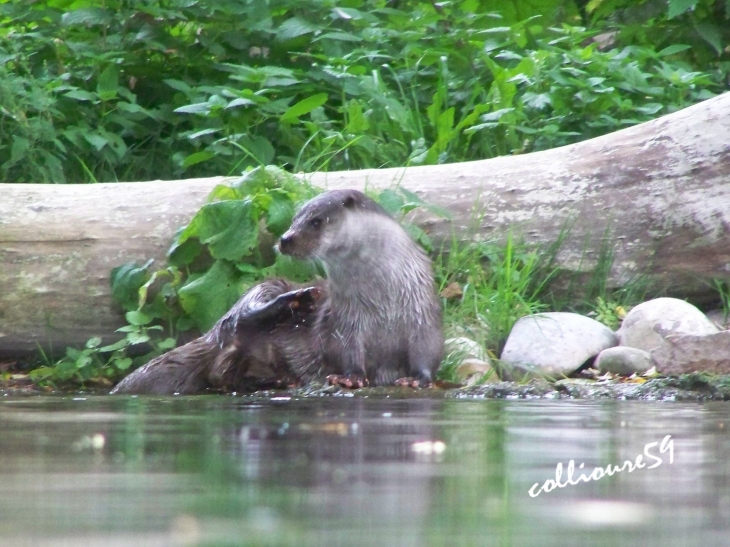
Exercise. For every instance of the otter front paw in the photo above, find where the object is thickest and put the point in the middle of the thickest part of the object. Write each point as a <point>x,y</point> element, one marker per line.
<point>413,382</point>
<point>350,381</point>
<point>297,305</point>
<point>303,301</point>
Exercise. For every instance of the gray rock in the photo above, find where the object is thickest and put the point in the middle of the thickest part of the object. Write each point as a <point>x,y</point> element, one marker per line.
<point>464,348</point>
<point>474,363</point>
<point>623,360</point>
<point>642,325</point>
<point>475,371</point>
<point>719,318</point>
<point>553,344</point>
<point>680,354</point>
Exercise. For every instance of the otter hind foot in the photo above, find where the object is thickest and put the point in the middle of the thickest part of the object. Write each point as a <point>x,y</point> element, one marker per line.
<point>349,381</point>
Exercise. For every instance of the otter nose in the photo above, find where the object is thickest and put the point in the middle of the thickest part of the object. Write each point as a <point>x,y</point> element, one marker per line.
<point>286,243</point>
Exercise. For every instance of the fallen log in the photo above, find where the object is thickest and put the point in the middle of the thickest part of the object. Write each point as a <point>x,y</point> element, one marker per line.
<point>659,190</point>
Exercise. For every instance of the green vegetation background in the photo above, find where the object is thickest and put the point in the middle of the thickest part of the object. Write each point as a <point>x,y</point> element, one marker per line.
<point>107,90</point>
<point>111,90</point>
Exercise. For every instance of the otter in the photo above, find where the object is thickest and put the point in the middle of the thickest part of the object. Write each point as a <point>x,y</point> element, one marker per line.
<point>381,322</point>
<point>249,348</point>
<point>375,320</point>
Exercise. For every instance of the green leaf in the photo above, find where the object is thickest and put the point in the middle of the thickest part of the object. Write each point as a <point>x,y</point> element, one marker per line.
<point>222,192</point>
<point>677,7</point>
<point>97,141</point>
<point>106,85</point>
<point>416,199</point>
<point>123,364</point>
<point>296,270</point>
<point>93,342</point>
<point>240,102</point>
<point>137,318</point>
<point>203,132</point>
<point>356,121</point>
<point>538,101</point>
<point>121,344</point>
<point>133,108</point>
<point>207,297</point>
<point>178,85</point>
<point>276,81</point>
<point>80,95</point>
<point>305,106</point>
<point>167,343</point>
<point>41,373</point>
<point>198,157</point>
<point>137,338</point>
<point>391,201</point>
<point>650,108</point>
<point>18,151</point>
<point>674,48</point>
<point>86,16</point>
<point>279,214</point>
<point>445,126</point>
<point>126,280</point>
<point>347,13</point>
<point>249,270</point>
<point>229,228</point>
<point>182,254</point>
<point>291,28</point>
<point>196,108</point>
<point>339,36</point>
<point>259,147</point>
<point>710,33</point>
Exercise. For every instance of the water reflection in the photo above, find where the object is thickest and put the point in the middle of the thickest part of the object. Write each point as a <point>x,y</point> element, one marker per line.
<point>353,471</point>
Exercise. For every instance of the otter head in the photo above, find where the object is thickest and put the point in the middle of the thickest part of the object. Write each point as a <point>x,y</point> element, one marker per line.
<point>318,229</point>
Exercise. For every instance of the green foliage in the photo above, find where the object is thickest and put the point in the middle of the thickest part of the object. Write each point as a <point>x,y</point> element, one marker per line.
<point>608,312</point>
<point>110,90</point>
<point>224,250</point>
<point>499,284</point>
<point>702,25</point>
<point>102,365</point>
<point>220,253</point>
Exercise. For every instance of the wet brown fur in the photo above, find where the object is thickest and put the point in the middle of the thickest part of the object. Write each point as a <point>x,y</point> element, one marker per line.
<point>245,350</point>
<point>375,320</point>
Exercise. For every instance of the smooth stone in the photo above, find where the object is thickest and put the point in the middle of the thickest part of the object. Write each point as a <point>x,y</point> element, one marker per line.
<point>464,348</point>
<point>553,344</point>
<point>719,319</point>
<point>623,360</point>
<point>472,371</point>
<point>681,354</point>
<point>645,326</point>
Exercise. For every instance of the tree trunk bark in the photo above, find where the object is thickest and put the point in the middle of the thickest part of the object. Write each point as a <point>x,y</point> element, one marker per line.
<point>660,191</point>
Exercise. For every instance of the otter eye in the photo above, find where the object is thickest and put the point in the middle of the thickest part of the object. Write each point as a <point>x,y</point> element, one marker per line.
<point>315,222</point>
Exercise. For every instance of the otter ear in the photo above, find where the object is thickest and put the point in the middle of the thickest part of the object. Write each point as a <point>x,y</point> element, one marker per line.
<point>349,202</point>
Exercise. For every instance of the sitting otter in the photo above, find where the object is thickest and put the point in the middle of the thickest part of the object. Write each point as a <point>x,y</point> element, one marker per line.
<point>375,320</point>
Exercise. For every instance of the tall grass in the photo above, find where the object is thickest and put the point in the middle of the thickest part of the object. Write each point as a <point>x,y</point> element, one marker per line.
<point>498,284</point>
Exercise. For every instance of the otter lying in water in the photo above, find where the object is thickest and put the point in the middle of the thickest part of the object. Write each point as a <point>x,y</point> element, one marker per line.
<point>375,320</point>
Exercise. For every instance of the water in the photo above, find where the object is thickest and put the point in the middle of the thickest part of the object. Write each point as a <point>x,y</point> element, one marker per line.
<point>225,471</point>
